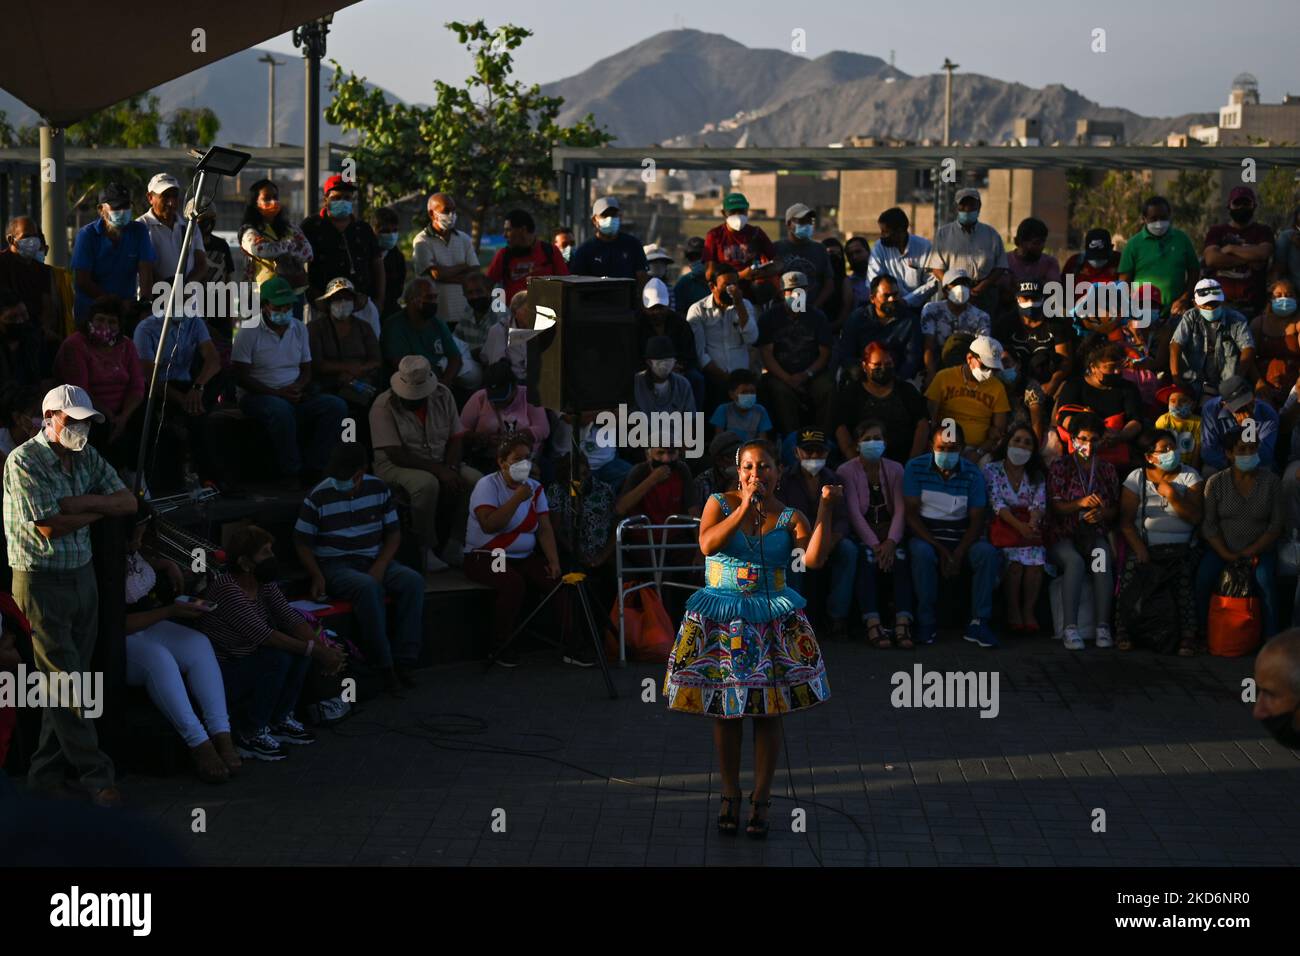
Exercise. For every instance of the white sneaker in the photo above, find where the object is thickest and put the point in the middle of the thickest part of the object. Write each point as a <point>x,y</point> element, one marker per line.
<point>434,563</point>
<point>1072,640</point>
<point>1103,637</point>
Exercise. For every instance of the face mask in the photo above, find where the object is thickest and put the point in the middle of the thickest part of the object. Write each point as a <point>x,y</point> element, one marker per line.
<point>608,227</point>
<point>1283,305</point>
<point>882,376</point>
<point>1098,263</point>
<point>886,308</point>
<point>662,368</point>
<point>872,449</point>
<point>566,253</point>
<point>946,460</point>
<point>1211,315</point>
<point>1111,379</point>
<point>1167,460</point>
<point>102,335</point>
<point>267,571</point>
<point>340,208</point>
<point>803,231</point>
<point>74,435</point>
<point>480,303</point>
<point>1282,727</point>
<point>812,465</point>
<point>746,400</point>
<point>429,310</point>
<point>280,318</point>
<point>520,470</point>
<point>1247,462</point>
<point>959,294</point>
<point>344,485</point>
<point>269,210</point>
<point>658,269</point>
<point>29,246</point>
<point>1083,450</point>
<point>1242,216</point>
<point>442,221</point>
<point>1009,375</point>
<point>40,255</point>
<point>119,217</point>
<point>1180,411</point>
<point>737,222</point>
<point>1030,311</point>
<point>1018,456</point>
<point>387,240</point>
<point>1159,227</point>
<point>981,374</point>
<point>341,310</point>
<point>968,218</point>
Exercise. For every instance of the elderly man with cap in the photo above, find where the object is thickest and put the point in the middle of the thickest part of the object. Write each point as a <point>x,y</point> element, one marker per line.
<point>55,486</point>
<point>611,253</point>
<point>272,363</point>
<point>955,313</point>
<point>416,433</point>
<point>972,395</point>
<point>657,388</point>
<point>112,255</point>
<point>344,245</point>
<point>1237,253</point>
<point>418,329</point>
<point>971,245</point>
<point>167,233</point>
<point>1223,415</point>
<point>446,255</point>
<point>1211,342</point>
<point>795,339</point>
<point>735,243</point>
<point>1277,688</point>
<point>799,252</point>
<point>345,356</point>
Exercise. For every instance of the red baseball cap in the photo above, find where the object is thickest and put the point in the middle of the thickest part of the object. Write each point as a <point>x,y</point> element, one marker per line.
<point>1169,391</point>
<point>337,182</point>
<point>1241,192</point>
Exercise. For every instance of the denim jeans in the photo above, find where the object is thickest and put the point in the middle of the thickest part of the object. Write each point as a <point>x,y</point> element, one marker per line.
<point>1207,584</point>
<point>843,566</point>
<point>867,580</point>
<point>270,680</point>
<point>346,581</point>
<point>984,562</point>
<point>315,423</point>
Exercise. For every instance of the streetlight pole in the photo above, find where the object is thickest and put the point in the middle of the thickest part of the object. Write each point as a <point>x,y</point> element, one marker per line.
<point>948,66</point>
<point>311,37</point>
<point>271,63</point>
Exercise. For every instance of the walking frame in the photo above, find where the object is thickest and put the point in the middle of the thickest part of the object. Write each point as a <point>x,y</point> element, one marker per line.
<point>658,558</point>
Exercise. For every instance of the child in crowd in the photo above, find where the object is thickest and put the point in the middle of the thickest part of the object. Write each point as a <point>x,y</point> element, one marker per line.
<point>1182,420</point>
<point>743,416</point>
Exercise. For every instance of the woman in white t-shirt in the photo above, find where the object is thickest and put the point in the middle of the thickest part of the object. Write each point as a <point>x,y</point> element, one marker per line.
<point>508,523</point>
<point>1160,508</point>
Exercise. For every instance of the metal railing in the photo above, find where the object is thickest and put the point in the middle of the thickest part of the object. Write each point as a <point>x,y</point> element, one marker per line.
<point>658,567</point>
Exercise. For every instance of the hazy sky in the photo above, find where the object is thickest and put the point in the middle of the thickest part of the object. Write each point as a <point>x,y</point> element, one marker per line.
<point>1163,57</point>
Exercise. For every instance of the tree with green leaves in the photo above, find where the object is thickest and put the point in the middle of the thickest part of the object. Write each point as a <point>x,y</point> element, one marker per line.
<point>1279,195</point>
<point>487,142</point>
<point>1112,204</point>
<point>1194,201</point>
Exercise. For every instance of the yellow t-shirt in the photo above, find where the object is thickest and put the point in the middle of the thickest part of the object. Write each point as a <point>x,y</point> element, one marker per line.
<point>1188,431</point>
<point>973,404</point>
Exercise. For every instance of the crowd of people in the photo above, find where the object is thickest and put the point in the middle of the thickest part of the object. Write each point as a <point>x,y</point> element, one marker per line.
<point>1136,444</point>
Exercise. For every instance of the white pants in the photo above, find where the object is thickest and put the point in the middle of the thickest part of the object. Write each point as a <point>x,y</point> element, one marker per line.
<point>164,658</point>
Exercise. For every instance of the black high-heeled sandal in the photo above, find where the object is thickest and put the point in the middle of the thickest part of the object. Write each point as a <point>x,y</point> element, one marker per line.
<point>729,823</point>
<point>757,829</point>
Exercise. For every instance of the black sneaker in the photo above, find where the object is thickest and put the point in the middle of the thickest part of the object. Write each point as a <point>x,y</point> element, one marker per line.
<point>506,658</point>
<point>260,746</point>
<point>579,658</point>
<point>289,731</point>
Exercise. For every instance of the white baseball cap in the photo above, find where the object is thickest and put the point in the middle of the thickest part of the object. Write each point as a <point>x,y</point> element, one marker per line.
<point>797,211</point>
<point>72,400</point>
<point>952,275</point>
<point>604,203</point>
<point>654,293</point>
<point>163,182</point>
<point>655,253</point>
<point>1207,291</point>
<point>988,351</point>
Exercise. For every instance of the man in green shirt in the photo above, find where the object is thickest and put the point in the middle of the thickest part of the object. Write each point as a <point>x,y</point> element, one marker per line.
<point>1163,256</point>
<point>417,330</point>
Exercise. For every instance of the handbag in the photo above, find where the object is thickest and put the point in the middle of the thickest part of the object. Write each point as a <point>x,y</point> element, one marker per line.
<point>648,631</point>
<point>1002,535</point>
<point>1235,620</point>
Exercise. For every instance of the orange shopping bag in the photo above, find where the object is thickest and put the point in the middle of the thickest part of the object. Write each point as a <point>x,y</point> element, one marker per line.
<point>648,630</point>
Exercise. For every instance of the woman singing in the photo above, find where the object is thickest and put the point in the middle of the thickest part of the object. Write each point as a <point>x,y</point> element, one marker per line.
<point>745,648</point>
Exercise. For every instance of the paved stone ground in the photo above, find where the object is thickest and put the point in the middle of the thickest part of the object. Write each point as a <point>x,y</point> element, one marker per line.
<point>1163,745</point>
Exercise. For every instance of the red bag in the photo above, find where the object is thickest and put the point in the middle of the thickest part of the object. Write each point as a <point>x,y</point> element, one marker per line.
<point>647,628</point>
<point>1234,625</point>
<point>1002,535</point>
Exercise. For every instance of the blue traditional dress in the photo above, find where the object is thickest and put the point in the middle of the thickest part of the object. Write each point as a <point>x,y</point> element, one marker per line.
<point>745,647</point>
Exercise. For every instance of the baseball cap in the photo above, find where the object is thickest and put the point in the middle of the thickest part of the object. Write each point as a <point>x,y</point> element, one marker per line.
<point>655,253</point>
<point>277,291</point>
<point>794,280</point>
<point>952,275</point>
<point>605,203</point>
<point>1169,391</point>
<point>660,347</point>
<point>163,182</point>
<point>654,293</point>
<point>988,351</point>
<point>1029,289</point>
<point>734,202</point>
<point>1097,243</point>
<point>1207,291</point>
<point>797,211</point>
<point>337,182</point>
<point>72,400</point>
<point>1236,393</point>
<point>812,438</point>
<point>695,246</point>
<point>1241,192</point>
<point>967,193</point>
<point>115,194</point>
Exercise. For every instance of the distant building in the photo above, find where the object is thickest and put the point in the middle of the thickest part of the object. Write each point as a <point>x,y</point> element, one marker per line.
<point>771,194</point>
<point>1245,120</point>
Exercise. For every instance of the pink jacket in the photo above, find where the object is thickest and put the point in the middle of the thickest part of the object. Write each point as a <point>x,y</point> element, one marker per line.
<point>479,415</point>
<point>857,496</point>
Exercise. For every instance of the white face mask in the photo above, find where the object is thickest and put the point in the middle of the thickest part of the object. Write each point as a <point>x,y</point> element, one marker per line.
<point>1159,227</point>
<point>444,220</point>
<point>981,374</point>
<point>520,470</point>
<point>341,309</point>
<point>737,222</point>
<point>959,294</point>
<point>74,435</point>
<point>1018,456</point>
<point>813,465</point>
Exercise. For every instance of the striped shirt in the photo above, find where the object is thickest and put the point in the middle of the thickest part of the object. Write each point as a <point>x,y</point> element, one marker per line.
<point>240,626</point>
<point>351,526</point>
<point>945,504</point>
<point>34,483</point>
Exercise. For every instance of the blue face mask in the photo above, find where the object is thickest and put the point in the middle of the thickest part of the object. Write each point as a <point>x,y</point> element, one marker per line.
<point>119,217</point>
<point>343,485</point>
<point>871,450</point>
<point>608,227</point>
<point>697,268</point>
<point>1247,462</point>
<point>387,240</point>
<point>746,399</point>
<point>1008,375</point>
<point>280,318</point>
<point>946,460</point>
<point>1283,305</point>
<point>340,208</point>
<point>1211,315</point>
<point>803,231</point>
<point>969,218</point>
<point>1168,460</point>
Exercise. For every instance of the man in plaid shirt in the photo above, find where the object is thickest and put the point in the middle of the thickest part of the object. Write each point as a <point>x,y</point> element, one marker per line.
<point>55,486</point>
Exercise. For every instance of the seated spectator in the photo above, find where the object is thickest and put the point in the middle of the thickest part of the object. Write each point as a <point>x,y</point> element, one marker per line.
<point>857,253</point>
<point>600,447</point>
<point>417,330</point>
<point>611,251</point>
<point>873,497</point>
<point>417,438</point>
<point>583,521</point>
<point>347,536</point>
<point>274,246</point>
<point>841,294</point>
<point>1211,343</point>
<point>1182,420</point>
<point>495,410</point>
<point>272,360</point>
<point>1029,406</point>
<point>1238,253</point>
<point>1083,495</point>
<point>1160,507</point>
<point>1230,410</point>
<point>523,315</point>
<point>735,244</point>
<point>172,661</point>
<point>1042,346</point>
<point>345,359</point>
<point>945,498</point>
<point>971,395</point>
<point>476,320</point>
<point>565,241</point>
<point>20,416</point>
<point>801,487</point>
<point>508,524</point>
<point>881,321</point>
<point>693,284</point>
<point>113,255</point>
<point>24,273</point>
<point>446,255</point>
<point>954,314</point>
<point>388,233</point>
<point>795,342</point>
<point>221,264</point>
<point>1162,256</point>
<point>1017,486</point>
<point>879,395</point>
<point>98,358</point>
<point>657,388</point>
<point>722,473</point>
<point>1243,521</point>
<point>902,255</point>
<point>725,325</point>
<point>1116,402</point>
<point>742,416</point>
<point>1027,262</point>
<point>264,647</point>
<point>656,319</point>
<point>973,246</point>
<point>1096,262</point>
<point>799,252</point>
<point>659,487</point>
<point>20,343</point>
<point>1277,338</point>
<point>343,244</point>
<point>523,255</point>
